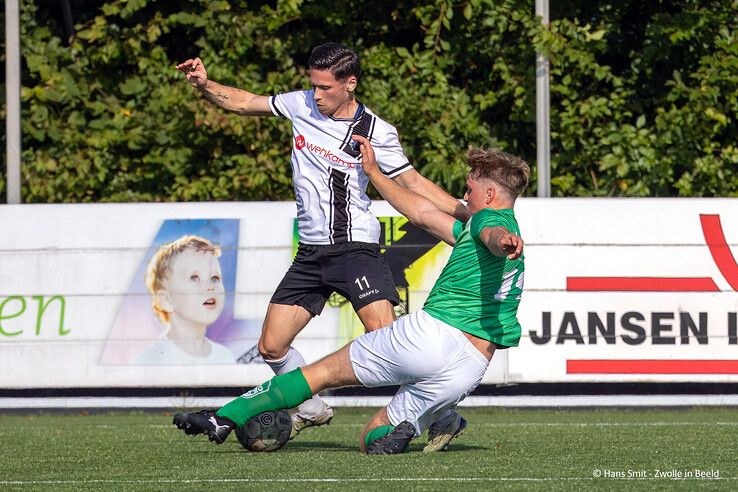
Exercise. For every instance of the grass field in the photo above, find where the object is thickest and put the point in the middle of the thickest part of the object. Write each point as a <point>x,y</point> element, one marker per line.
<point>502,449</point>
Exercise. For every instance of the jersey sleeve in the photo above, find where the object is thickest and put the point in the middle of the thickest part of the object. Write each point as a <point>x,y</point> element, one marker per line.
<point>458,229</point>
<point>487,218</point>
<point>390,157</point>
<point>286,105</point>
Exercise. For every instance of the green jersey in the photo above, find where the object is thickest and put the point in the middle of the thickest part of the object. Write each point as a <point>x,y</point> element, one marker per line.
<point>477,291</point>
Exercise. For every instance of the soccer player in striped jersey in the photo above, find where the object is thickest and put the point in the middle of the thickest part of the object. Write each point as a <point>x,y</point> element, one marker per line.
<point>338,248</point>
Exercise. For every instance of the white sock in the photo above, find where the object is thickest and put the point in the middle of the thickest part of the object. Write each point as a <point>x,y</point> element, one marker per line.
<point>294,359</point>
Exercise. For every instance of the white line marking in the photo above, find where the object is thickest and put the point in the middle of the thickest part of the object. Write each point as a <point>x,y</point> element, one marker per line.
<point>339,480</point>
<point>484,424</point>
<point>601,424</point>
<point>511,424</point>
<point>523,401</point>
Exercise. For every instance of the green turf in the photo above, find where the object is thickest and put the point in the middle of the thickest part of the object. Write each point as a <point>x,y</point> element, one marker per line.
<point>501,449</point>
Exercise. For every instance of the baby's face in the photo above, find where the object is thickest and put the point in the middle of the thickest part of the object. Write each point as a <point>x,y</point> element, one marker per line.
<point>196,287</point>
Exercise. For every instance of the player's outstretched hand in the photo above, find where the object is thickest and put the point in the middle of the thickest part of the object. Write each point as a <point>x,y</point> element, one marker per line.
<point>512,245</point>
<point>368,159</point>
<point>195,72</point>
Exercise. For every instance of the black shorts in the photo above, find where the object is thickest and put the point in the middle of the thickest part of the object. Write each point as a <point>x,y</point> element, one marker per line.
<point>355,270</point>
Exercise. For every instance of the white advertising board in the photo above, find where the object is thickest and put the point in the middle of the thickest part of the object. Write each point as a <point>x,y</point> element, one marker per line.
<point>615,290</point>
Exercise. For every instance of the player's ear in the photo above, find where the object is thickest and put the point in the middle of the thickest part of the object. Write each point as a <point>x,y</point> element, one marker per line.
<point>491,193</point>
<point>164,301</point>
<point>351,83</point>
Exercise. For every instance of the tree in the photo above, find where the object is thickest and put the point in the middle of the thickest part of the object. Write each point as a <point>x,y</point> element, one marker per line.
<point>644,94</point>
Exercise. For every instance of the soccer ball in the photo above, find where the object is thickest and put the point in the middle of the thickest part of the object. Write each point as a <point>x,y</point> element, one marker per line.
<point>266,432</point>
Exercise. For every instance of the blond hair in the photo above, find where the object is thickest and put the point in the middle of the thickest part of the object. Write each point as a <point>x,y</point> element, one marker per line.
<point>507,170</point>
<point>160,265</point>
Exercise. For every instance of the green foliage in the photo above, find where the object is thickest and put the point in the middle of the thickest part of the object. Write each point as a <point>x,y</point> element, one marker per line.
<point>644,94</point>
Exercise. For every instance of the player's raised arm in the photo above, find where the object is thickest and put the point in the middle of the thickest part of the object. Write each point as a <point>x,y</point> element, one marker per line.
<point>502,242</point>
<point>230,98</point>
<point>418,209</point>
<point>414,181</point>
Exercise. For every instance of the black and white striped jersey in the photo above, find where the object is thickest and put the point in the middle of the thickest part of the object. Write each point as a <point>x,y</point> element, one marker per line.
<point>330,186</point>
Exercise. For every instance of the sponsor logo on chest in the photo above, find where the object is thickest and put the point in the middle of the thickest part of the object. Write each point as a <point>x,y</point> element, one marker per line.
<point>303,145</point>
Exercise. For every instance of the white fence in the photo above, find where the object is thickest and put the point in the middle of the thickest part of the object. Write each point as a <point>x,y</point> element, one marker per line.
<point>615,290</point>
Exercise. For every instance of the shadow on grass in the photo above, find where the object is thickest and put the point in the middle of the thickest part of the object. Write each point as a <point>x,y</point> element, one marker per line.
<point>465,447</point>
<point>296,447</point>
<point>308,446</point>
<point>313,445</point>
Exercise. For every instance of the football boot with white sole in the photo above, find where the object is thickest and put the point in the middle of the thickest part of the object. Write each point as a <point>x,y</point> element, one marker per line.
<point>300,422</point>
<point>442,431</point>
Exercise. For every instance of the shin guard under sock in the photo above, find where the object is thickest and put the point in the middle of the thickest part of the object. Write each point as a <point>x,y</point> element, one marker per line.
<point>283,391</point>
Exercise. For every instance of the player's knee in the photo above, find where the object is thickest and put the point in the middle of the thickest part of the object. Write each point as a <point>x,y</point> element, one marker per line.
<point>377,315</point>
<point>272,351</point>
<point>374,325</point>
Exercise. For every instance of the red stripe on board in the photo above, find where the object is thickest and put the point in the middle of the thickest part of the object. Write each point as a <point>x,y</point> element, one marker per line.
<point>719,249</point>
<point>653,366</point>
<point>643,284</point>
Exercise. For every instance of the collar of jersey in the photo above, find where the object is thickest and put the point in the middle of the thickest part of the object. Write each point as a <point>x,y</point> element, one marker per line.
<point>357,115</point>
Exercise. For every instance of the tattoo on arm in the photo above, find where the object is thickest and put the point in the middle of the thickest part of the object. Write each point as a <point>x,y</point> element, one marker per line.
<point>497,234</point>
<point>217,98</point>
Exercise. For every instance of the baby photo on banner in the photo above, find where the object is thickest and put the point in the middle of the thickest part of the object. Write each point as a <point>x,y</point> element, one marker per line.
<point>179,307</point>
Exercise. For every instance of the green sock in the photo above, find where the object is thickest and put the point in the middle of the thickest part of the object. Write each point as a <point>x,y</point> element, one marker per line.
<point>377,433</point>
<point>283,391</point>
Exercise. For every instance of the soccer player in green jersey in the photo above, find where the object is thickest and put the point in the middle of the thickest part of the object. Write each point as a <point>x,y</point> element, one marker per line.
<point>437,355</point>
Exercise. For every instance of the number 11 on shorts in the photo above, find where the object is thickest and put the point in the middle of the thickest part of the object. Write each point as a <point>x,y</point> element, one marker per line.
<point>358,282</point>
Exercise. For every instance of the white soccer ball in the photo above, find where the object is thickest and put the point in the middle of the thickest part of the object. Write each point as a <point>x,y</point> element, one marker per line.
<point>266,432</point>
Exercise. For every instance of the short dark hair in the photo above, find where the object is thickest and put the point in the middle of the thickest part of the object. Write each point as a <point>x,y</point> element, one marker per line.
<point>340,60</point>
<point>505,169</point>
